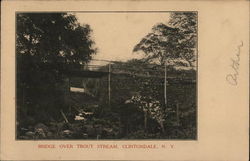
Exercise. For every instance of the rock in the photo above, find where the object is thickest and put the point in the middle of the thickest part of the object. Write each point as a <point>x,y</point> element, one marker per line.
<point>108,130</point>
<point>79,118</point>
<point>30,134</point>
<point>39,132</point>
<point>42,126</point>
<point>85,136</point>
<point>50,135</point>
<point>67,133</point>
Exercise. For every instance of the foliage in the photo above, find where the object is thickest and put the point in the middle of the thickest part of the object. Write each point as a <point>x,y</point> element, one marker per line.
<point>186,22</point>
<point>150,107</point>
<point>54,38</point>
<point>46,45</point>
<point>160,44</point>
<point>175,45</point>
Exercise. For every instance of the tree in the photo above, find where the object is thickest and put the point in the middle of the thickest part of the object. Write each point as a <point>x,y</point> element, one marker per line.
<point>186,22</point>
<point>47,44</point>
<point>174,44</point>
<point>54,38</point>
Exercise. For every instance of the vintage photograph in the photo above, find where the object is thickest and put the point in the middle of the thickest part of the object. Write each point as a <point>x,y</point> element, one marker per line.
<point>108,75</point>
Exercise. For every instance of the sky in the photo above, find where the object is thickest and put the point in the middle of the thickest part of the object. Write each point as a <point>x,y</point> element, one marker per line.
<point>116,34</point>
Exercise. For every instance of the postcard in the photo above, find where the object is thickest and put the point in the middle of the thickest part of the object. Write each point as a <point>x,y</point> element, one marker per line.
<point>125,80</point>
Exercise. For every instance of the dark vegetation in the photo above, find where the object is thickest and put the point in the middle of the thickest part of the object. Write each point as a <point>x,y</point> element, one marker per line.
<point>51,45</point>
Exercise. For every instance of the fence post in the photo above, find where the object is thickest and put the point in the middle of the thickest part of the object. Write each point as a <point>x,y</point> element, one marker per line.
<point>165,85</point>
<point>109,79</point>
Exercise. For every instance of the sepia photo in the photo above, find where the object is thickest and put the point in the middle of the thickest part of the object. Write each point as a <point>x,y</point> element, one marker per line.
<point>124,80</point>
<point>106,75</point>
